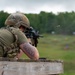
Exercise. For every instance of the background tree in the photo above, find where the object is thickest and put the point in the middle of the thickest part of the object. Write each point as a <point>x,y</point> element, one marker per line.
<point>46,22</point>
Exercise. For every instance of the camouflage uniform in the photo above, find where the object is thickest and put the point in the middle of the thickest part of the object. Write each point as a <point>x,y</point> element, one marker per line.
<point>11,36</point>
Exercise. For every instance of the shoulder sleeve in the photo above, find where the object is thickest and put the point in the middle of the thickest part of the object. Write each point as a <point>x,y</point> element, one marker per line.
<point>21,36</point>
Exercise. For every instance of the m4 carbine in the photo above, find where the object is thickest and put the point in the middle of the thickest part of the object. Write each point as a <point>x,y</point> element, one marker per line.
<point>33,35</point>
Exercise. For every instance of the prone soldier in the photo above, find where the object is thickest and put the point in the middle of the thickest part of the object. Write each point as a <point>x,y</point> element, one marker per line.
<point>12,38</point>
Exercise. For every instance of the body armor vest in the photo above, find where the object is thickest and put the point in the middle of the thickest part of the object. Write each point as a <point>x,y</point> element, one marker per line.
<point>13,49</point>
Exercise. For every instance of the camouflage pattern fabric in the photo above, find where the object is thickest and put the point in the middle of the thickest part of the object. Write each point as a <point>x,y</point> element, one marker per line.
<point>10,39</point>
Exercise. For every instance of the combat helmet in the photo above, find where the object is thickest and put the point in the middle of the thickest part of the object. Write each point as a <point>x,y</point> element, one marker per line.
<point>17,20</point>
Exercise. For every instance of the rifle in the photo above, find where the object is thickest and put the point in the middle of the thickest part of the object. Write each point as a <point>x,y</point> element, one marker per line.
<point>33,35</point>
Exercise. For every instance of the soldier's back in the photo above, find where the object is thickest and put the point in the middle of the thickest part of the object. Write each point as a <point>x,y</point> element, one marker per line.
<point>6,37</point>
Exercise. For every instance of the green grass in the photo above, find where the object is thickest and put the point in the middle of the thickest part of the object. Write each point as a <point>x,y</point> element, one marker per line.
<point>58,47</point>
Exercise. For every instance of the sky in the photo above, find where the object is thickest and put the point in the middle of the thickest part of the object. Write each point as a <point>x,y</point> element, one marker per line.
<point>36,6</point>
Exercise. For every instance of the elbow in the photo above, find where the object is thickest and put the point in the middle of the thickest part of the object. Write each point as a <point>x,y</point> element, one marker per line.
<point>36,56</point>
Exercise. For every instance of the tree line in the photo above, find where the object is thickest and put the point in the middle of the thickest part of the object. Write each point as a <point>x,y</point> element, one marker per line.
<point>48,22</point>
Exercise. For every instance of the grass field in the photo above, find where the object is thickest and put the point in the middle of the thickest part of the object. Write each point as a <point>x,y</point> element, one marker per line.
<point>60,47</point>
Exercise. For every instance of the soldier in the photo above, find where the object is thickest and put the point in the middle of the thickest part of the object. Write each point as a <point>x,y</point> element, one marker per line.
<point>12,38</point>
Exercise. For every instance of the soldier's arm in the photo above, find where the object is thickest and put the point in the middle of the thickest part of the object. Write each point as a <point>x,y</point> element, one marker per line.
<point>27,48</point>
<point>21,52</point>
<point>30,51</point>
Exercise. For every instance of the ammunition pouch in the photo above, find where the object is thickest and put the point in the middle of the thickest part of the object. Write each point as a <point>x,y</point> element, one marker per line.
<point>11,51</point>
